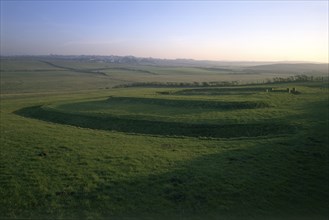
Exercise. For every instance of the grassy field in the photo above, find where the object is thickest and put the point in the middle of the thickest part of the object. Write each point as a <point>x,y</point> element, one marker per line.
<point>19,75</point>
<point>71,149</point>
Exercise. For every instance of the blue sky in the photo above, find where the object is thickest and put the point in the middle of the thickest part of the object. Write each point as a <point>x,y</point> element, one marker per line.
<point>212,30</point>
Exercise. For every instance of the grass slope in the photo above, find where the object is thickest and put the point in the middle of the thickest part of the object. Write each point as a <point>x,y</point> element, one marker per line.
<point>20,75</point>
<point>53,170</point>
<point>92,114</point>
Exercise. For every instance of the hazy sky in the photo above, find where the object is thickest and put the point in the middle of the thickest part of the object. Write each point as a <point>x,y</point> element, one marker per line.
<point>213,30</point>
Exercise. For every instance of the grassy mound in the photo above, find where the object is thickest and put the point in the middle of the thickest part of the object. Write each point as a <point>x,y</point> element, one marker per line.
<point>115,123</point>
<point>228,91</point>
<point>55,171</point>
<point>160,109</point>
<point>222,105</point>
<point>50,170</point>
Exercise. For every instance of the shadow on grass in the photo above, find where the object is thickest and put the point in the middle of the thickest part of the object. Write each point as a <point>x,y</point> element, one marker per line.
<point>286,178</point>
<point>282,178</point>
<point>203,104</point>
<point>156,127</point>
<point>275,181</point>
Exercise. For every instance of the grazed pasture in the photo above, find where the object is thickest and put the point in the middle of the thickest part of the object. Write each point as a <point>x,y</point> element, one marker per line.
<point>73,147</point>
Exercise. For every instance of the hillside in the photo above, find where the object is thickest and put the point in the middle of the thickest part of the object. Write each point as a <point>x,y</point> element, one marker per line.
<point>297,68</point>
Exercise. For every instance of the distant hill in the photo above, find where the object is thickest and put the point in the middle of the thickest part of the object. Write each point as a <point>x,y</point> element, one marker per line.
<point>296,68</point>
<point>237,66</point>
<point>142,60</point>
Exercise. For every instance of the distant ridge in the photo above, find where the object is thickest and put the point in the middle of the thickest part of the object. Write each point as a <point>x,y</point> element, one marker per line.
<point>254,66</point>
<point>292,68</point>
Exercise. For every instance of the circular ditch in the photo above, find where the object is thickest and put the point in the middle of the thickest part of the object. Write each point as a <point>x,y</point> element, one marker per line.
<point>92,115</point>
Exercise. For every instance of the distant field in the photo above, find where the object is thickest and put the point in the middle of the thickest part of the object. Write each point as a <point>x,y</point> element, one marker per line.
<point>74,148</point>
<point>18,76</point>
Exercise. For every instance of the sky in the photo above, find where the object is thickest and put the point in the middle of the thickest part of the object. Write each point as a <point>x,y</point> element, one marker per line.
<point>203,30</point>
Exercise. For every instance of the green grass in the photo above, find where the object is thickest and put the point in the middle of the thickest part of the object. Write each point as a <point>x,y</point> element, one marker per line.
<point>246,90</point>
<point>54,168</point>
<point>140,105</point>
<point>159,117</point>
<point>44,76</point>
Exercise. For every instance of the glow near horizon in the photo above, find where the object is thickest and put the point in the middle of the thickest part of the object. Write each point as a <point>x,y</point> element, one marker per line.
<point>250,31</point>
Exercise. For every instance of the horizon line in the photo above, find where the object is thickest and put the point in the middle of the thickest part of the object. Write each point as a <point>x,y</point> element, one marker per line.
<point>192,59</point>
